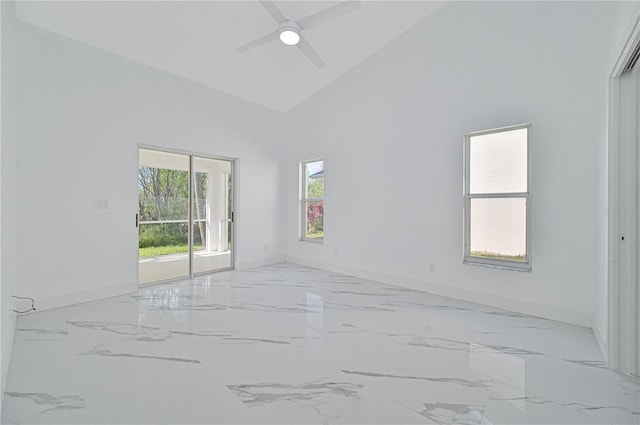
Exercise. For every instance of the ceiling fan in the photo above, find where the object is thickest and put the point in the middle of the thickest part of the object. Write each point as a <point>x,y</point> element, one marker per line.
<point>290,31</point>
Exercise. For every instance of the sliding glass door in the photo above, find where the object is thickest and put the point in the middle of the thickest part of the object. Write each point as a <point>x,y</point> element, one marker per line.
<point>163,216</point>
<point>211,214</point>
<point>184,217</point>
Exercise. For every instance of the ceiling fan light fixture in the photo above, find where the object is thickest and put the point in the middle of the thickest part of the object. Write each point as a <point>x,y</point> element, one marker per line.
<point>290,33</point>
<point>289,37</point>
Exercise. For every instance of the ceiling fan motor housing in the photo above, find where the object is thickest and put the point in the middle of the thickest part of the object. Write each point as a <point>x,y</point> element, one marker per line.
<point>289,33</point>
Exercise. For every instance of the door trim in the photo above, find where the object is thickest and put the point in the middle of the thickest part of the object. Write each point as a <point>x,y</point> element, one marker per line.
<point>623,330</point>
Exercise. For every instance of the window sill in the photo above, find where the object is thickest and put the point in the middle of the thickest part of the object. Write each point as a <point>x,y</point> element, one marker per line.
<point>504,266</point>
<point>319,241</point>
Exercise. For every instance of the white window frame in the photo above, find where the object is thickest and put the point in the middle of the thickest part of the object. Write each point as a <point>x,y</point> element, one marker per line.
<point>304,200</point>
<point>495,262</point>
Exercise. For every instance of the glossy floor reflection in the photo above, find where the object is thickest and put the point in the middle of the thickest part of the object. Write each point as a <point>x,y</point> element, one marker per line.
<point>292,344</point>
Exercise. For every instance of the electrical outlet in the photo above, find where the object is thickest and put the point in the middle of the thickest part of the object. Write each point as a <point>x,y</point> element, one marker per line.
<point>335,252</point>
<point>432,267</point>
<point>266,248</point>
<point>102,204</point>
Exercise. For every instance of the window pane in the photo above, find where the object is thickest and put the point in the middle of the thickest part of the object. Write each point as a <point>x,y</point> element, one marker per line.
<point>498,162</point>
<point>314,220</point>
<point>314,173</point>
<point>498,228</point>
<point>163,194</point>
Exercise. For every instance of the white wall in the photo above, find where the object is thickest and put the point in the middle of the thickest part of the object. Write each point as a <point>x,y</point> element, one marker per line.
<point>7,187</point>
<point>391,133</point>
<point>81,114</point>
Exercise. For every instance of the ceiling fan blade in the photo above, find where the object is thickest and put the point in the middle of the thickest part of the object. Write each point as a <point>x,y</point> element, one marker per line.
<point>273,11</point>
<point>310,53</point>
<point>258,42</point>
<point>329,14</point>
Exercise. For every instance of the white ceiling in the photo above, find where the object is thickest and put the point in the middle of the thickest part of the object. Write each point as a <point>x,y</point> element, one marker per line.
<point>196,40</point>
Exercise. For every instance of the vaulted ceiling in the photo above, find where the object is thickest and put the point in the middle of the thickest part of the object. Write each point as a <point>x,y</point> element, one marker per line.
<point>196,40</point>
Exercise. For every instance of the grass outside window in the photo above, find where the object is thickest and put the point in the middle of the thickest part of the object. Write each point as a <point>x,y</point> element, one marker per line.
<point>155,251</point>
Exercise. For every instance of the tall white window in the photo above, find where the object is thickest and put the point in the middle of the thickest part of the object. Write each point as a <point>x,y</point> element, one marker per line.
<point>497,191</point>
<point>312,200</point>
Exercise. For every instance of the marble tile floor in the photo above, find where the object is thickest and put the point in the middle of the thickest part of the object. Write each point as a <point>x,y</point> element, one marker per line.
<point>288,344</point>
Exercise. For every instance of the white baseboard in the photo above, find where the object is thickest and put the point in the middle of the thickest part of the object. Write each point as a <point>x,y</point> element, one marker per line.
<point>63,300</point>
<point>551,312</point>
<point>8,332</point>
<point>244,265</point>
<point>601,339</point>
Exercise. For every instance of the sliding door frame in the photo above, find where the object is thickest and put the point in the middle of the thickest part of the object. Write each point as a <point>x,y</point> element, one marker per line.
<point>191,155</point>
